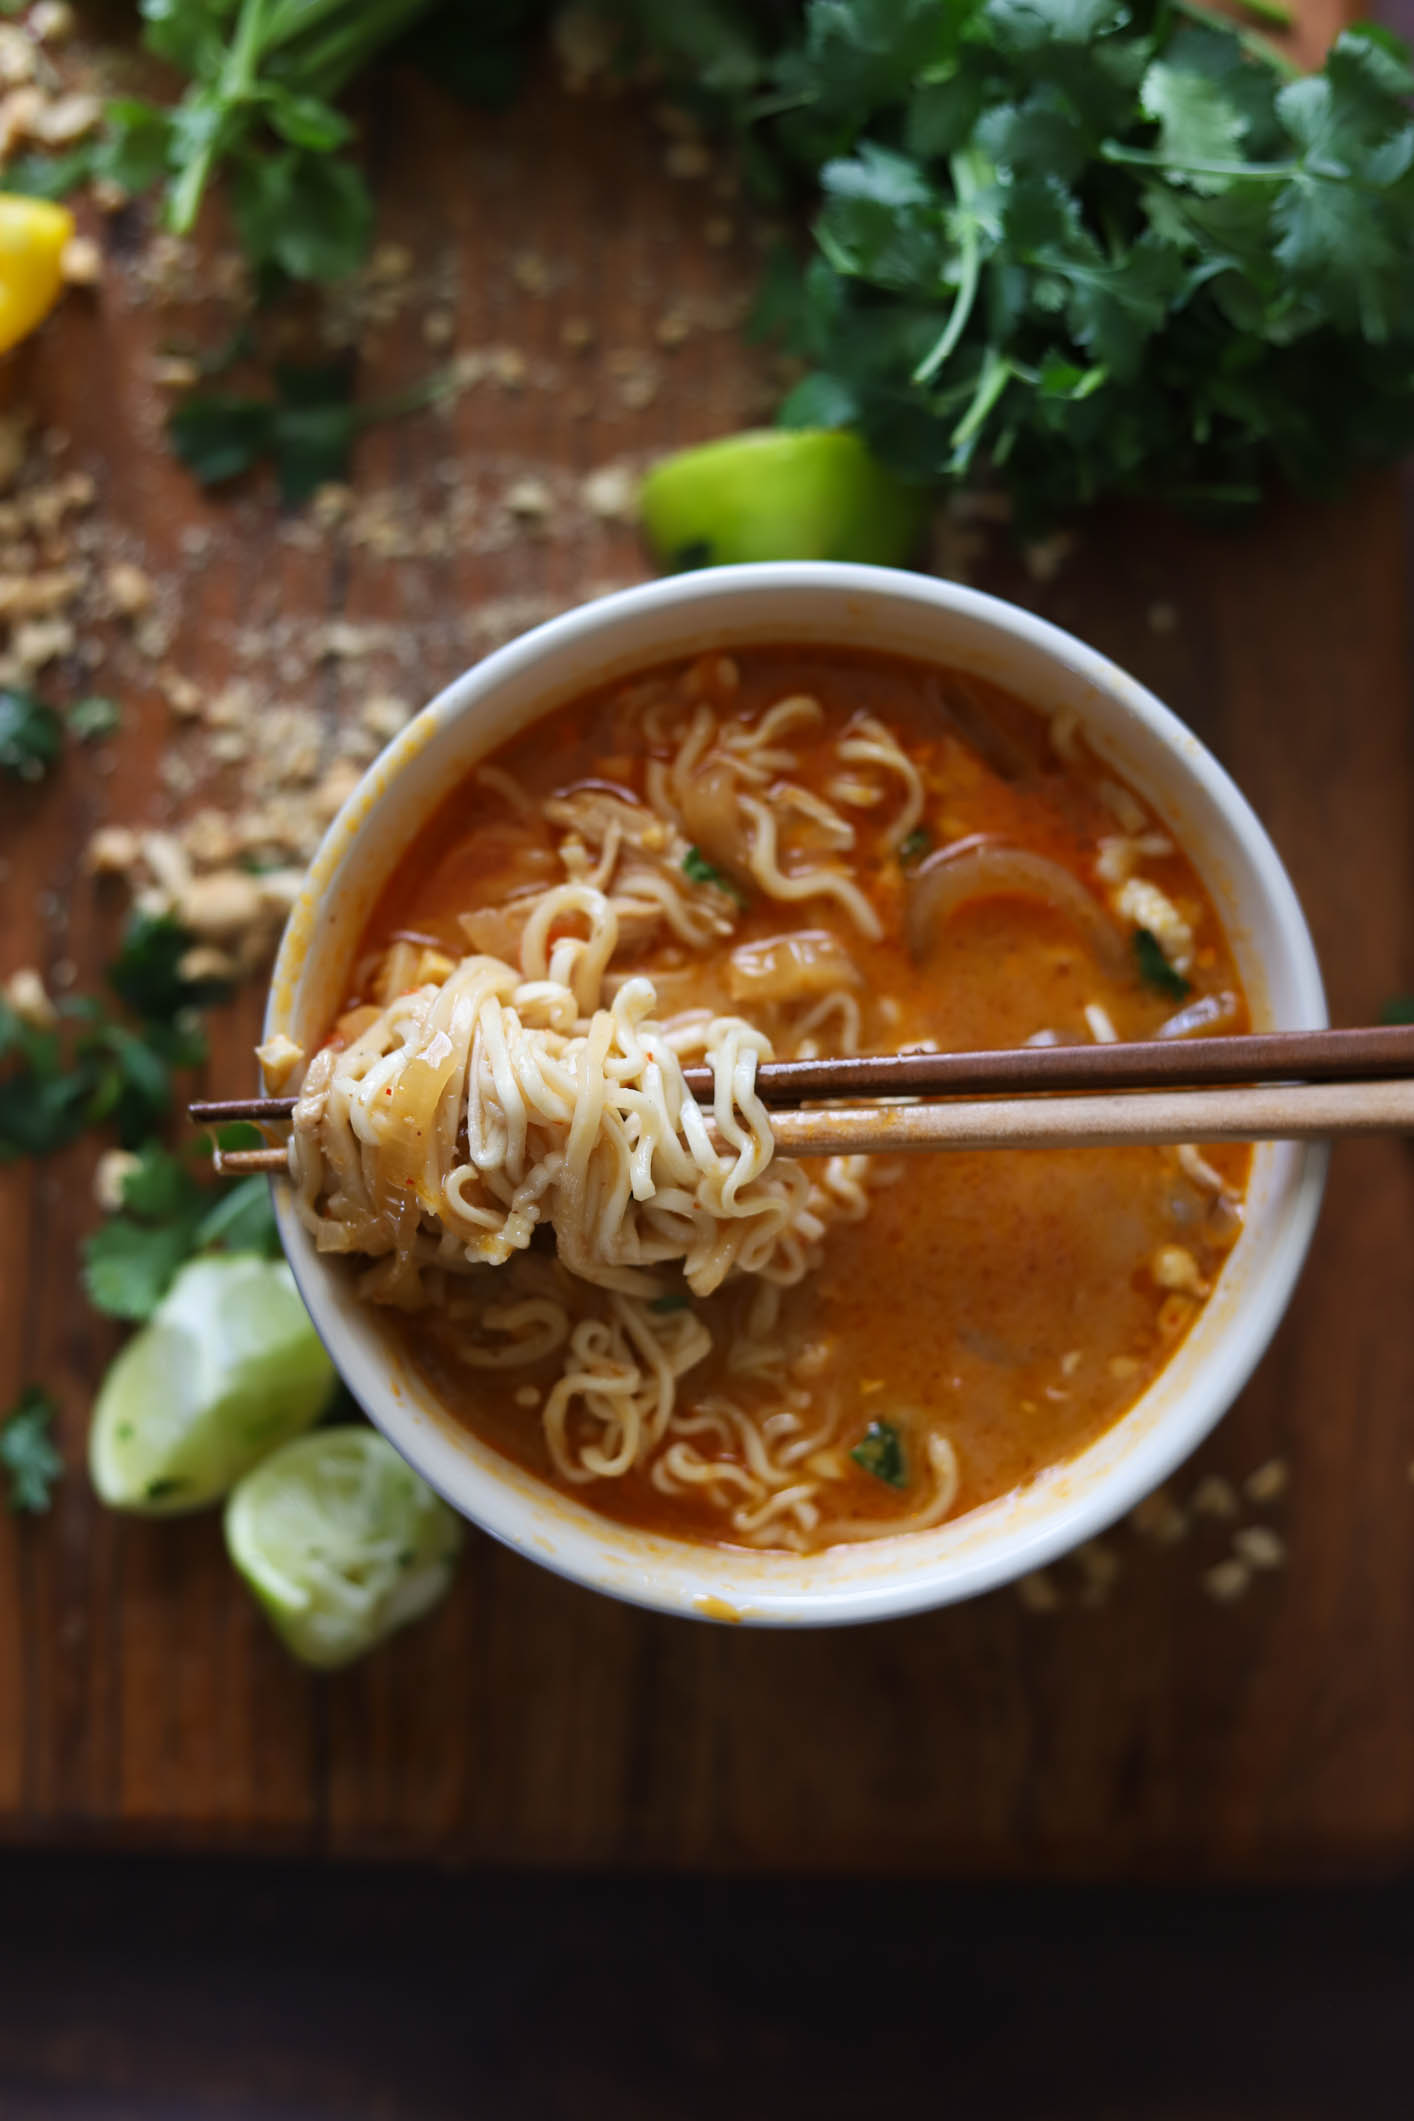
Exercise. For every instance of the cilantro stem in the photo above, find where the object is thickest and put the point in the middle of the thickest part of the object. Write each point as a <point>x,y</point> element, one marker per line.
<point>1150,158</point>
<point>996,373</point>
<point>968,173</point>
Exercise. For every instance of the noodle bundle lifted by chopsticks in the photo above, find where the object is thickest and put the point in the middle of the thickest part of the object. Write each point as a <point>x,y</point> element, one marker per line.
<point>470,1113</point>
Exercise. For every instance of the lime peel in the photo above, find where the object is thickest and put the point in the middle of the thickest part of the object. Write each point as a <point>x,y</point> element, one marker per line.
<point>227,1368</point>
<point>341,1542</point>
<point>779,494</point>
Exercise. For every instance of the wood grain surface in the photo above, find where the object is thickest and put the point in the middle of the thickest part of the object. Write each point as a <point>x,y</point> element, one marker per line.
<point>1148,1731</point>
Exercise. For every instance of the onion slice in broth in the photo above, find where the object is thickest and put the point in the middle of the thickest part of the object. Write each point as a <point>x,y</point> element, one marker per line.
<point>982,868</point>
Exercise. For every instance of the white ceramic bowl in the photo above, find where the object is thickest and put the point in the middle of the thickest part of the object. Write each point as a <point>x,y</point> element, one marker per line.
<point>862,607</point>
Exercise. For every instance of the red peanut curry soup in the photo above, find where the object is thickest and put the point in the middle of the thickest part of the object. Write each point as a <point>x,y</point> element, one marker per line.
<point>854,853</point>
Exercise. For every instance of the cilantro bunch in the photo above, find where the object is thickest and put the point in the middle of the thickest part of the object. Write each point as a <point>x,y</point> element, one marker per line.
<point>264,79</point>
<point>1088,247</point>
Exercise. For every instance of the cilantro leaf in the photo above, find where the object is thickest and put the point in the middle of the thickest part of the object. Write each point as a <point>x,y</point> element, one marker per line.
<point>1196,122</point>
<point>95,1068</point>
<point>242,1220</point>
<point>298,210</point>
<point>31,735</point>
<point>130,1261</point>
<point>147,974</point>
<point>698,870</point>
<point>1090,246</point>
<point>307,429</point>
<point>93,718</point>
<point>1399,1009</point>
<point>49,176</point>
<point>1155,969</point>
<point>27,1452</point>
<point>880,1452</point>
<point>128,1265</point>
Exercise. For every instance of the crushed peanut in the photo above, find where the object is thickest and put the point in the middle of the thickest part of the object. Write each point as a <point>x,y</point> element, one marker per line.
<point>113,1170</point>
<point>1226,1581</point>
<point>1215,1496</point>
<point>27,995</point>
<point>1268,1482</point>
<point>279,1057</point>
<point>1038,1592</point>
<point>1259,1546</point>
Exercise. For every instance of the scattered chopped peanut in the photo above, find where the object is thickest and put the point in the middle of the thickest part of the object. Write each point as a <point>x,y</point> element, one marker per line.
<point>28,996</point>
<point>81,262</point>
<point>205,962</point>
<point>51,22</point>
<point>1226,1581</point>
<point>130,591</point>
<point>111,1174</point>
<point>1259,1546</point>
<point>279,1057</point>
<point>112,851</point>
<point>221,906</point>
<point>1158,1517</point>
<point>1268,1482</point>
<point>66,119</point>
<point>1038,1592</point>
<point>1215,1497</point>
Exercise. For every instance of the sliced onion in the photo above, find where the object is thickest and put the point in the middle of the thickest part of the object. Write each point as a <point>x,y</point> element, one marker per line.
<point>712,819</point>
<point>982,868</point>
<point>1205,1014</point>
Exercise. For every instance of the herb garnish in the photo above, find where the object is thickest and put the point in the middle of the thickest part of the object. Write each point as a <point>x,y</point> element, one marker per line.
<point>93,1066</point>
<point>307,429</point>
<point>130,1260</point>
<point>1155,969</point>
<point>93,718</point>
<point>880,1452</point>
<point>1399,1009</point>
<point>915,845</point>
<point>672,1300</point>
<point>27,1452</point>
<point>31,735</point>
<point>1092,247</point>
<point>698,870</point>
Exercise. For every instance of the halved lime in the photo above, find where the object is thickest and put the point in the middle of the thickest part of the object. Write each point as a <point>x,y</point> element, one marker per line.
<point>228,1367</point>
<point>778,494</point>
<point>341,1542</point>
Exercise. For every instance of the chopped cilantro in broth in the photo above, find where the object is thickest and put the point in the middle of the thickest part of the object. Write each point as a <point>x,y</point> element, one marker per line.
<point>880,1453</point>
<point>1007,1302</point>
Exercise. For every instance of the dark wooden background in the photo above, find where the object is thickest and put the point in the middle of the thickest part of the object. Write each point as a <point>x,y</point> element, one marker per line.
<point>142,1700</point>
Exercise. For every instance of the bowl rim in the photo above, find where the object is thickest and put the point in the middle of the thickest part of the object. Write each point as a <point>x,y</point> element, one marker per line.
<point>666,1574</point>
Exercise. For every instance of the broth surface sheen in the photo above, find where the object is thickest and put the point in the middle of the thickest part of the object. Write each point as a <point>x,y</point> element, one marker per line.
<point>1016,1303</point>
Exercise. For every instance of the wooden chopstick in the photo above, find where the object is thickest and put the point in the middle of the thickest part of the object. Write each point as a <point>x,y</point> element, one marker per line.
<point>1114,1119</point>
<point>1289,1056</point>
<point>1111,1119</point>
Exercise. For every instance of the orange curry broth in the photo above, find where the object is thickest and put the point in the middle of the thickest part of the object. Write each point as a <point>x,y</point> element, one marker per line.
<point>1006,1296</point>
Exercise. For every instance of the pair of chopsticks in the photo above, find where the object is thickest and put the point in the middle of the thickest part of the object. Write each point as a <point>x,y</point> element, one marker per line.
<point>1263,1086</point>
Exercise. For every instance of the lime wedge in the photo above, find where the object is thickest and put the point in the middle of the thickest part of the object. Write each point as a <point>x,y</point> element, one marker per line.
<point>778,494</point>
<point>341,1542</point>
<point>228,1367</point>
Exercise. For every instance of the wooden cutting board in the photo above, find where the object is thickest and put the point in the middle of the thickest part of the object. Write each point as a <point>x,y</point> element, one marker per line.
<point>1141,1728</point>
